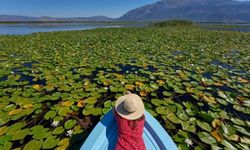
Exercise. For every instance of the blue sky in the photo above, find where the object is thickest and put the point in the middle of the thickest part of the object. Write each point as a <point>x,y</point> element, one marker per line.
<point>70,8</point>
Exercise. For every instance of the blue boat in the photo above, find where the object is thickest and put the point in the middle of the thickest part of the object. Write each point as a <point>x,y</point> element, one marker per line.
<point>104,135</point>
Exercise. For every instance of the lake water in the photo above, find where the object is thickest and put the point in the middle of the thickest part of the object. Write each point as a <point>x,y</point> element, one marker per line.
<point>240,27</point>
<point>28,28</point>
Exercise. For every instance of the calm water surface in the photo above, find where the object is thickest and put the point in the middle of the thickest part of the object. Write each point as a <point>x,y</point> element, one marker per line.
<point>28,28</point>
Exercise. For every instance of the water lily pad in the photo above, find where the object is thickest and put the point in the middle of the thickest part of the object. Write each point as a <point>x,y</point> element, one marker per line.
<point>39,132</point>
<point>185,82</point>
<point>50,142</point>
<point>162,110</point>
<point>228,129</point>
<point>207,138</point>
<point>245,140</point>
<point>205,126</point>
<point>91,100</point>
<point>14,112</point>
<point>58,130</point>
<point>67,103</point>
<point>63,144</point>
<point>108,104</point>
<point>92,111</point>
<point>4,139</point>
<point>156,102</point>
<point>21,134</point>
<point>228,145</point>
<point>173,118</point>
<point>242,130</point>
<point>6,146</point>
<point>15,127</point>
<point>33,145</point>
<point>63,111</point>
<point>167,94</point>
<point>69,124</point>
<point>105,110</point>
<point>237,121</point>
<point>50,115</point>
<point>188,127</point>
<point>182,115</point>
<point>3,130</point>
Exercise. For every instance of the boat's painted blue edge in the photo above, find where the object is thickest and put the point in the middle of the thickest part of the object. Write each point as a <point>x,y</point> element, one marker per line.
<point>107,127</point>
<point>164,141</point>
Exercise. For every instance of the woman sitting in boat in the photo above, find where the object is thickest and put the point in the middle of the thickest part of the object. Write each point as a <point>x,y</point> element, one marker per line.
<point>129,114</point>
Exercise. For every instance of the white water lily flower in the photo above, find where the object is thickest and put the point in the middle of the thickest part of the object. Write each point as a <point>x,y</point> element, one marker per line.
<point>189,142</point>
<point>12,72</point>
<point>55,123</point>
<point>69,133</point>
<point>123,83</point>
<point>136,72</point>
<point>106,88</point>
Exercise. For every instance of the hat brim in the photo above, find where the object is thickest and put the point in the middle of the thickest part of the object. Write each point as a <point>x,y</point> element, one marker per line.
<point>119,107</point>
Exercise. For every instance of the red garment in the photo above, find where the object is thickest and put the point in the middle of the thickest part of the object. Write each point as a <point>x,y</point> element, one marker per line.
<point>130,133</point>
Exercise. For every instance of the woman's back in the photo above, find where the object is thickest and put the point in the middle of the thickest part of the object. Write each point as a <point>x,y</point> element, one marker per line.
<point>130,133</point>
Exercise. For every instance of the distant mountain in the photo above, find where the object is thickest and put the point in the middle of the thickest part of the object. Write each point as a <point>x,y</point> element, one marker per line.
<point>12,18</point>
<point>196,10</point>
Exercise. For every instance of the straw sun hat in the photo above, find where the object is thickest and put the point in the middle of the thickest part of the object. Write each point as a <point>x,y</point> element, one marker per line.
<point>130,106</point>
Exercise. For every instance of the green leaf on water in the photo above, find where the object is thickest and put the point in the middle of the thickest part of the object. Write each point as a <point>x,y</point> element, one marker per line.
<point>58,130</point>
<point>39,132</point>
<point>182,115</point>
<point>69,124</point>
<point>242,130</point>
<point>173,118</point>
<point>15,127</point>
<point>206,117</point>
<point>167,94</point>
<point>91,100</point>
<point>228,145</point>
<point>92,111</point>
<point>108,104</point>
<point>63,111</point>
<point>162,110</point>
<point>105,110</point>
<point>63,144</point>
<point>228,129</point>
<point>33,145</point>
<point>7,146</point>
<point>238,121</point>
<point>3,130</point>
<point>50,115</point>
<point>245,140</point>
<point>156,102</point>
<point>4,139</point>
<point>207,138</point>
<point>188,127</point>
<point>205,126</point>
<point>50,142</point>
<point>20,135</point>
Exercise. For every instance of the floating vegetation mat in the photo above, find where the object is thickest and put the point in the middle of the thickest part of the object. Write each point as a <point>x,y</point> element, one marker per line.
<point>55,87</point>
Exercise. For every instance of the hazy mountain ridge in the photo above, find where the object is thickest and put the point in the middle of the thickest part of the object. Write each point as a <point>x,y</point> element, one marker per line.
<point>196,10</point>
<point>12,18</point>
